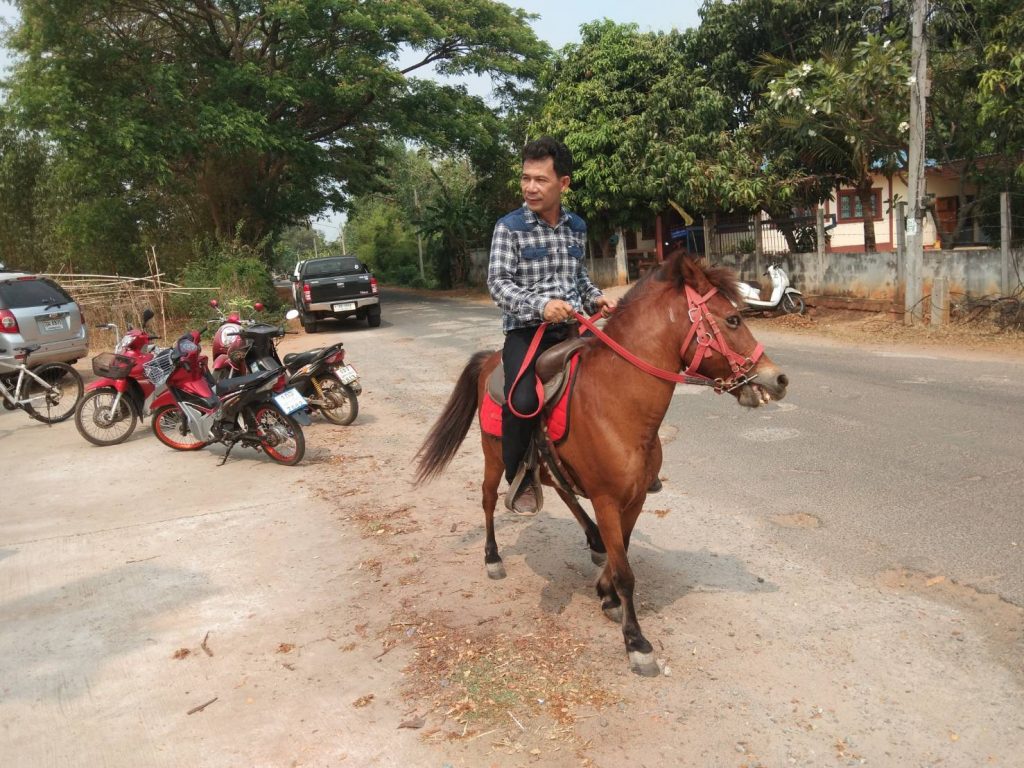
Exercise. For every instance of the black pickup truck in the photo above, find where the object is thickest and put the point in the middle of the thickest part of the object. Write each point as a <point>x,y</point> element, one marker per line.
<point>335,286</point>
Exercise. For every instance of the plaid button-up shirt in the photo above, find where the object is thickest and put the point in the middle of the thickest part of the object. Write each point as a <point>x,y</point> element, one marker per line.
<point>532,262</point>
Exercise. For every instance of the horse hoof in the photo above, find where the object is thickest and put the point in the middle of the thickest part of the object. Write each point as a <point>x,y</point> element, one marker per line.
<point>643,664</point>
<point>496,570</point>
<point>613,612</point>
<point>598,558</point>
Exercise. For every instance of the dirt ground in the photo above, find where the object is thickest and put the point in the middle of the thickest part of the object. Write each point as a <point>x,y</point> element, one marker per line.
<point>347,619</point>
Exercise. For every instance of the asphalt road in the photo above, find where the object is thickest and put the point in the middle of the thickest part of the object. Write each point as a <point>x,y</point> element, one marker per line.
<point>877,458</point>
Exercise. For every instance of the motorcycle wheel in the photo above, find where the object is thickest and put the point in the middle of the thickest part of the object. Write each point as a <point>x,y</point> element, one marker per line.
<point>56,404</point>
<point>280,435</point>
<point>345,406</point>
<point>171,429</point>
<point>96,421</point>
<point>793,304</point>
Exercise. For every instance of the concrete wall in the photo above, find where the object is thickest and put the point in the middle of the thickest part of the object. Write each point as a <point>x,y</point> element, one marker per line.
<point>869,281</point>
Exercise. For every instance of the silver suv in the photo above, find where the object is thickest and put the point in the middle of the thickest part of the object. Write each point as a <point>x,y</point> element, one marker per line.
<point>35,310</point>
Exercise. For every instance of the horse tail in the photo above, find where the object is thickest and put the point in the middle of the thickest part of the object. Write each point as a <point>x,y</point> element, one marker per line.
<point>453,424</point>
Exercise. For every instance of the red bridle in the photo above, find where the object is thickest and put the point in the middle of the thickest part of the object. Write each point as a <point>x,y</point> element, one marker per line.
<point>709,339</point>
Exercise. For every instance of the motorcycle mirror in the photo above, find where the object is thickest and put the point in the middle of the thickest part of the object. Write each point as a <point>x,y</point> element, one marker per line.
<point>258,306</point>
<point>213,303</point>
<point>147,315</point>
<point>291,314</point>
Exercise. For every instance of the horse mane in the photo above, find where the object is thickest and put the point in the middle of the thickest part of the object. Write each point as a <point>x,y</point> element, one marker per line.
<point>672,271</point>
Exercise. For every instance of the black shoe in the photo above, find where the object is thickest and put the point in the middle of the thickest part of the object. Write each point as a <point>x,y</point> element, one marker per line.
<point>525,502</point>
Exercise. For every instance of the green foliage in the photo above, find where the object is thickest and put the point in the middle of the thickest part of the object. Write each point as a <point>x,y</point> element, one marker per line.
<point>1001,84</point>
<point>843,114</point>
<point>297,243</point>
<point>236,270</point>
<point>455,219</point>
<point>442,198</point>
<point>734,35</point>
<point>259,114</point>
<point>381,234</point>
<point>647,127</point>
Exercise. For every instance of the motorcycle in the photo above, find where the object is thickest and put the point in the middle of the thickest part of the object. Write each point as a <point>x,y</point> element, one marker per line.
<point>783,297</point>
<point>115,402</point>
<point>328,384</point>
<point>228,348</point>
<point>255,410</point>
<point>320,375</point>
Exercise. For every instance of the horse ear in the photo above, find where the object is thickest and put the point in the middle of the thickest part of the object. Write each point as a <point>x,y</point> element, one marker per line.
<point>691,274</point>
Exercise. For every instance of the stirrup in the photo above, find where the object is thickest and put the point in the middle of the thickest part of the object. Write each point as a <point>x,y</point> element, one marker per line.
<point>529,471</point>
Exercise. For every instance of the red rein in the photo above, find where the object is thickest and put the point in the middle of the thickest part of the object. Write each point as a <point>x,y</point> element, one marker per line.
<point>703,328</point>
<point>709,338</point>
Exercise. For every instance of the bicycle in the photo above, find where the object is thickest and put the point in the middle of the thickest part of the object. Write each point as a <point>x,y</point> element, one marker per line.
<point>44,393</point>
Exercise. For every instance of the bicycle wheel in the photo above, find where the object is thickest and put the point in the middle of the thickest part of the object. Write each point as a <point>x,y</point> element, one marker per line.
<point>99,424</point>
<point>171,429</point>
<point>57,399</point>
<point>280,436</point>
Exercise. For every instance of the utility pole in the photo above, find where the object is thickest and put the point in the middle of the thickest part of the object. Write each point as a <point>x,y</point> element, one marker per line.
<point>419,237</point>
<point>915,172</point>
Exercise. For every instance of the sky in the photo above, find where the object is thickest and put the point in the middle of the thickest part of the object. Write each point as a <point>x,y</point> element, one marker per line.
<point>558,24</point>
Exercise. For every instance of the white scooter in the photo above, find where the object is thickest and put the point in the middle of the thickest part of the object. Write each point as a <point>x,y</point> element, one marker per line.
<point>783,297</point>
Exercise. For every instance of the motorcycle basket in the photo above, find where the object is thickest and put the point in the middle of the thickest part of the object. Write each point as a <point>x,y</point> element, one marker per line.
<point>111,365</point>
<point>159,368</point>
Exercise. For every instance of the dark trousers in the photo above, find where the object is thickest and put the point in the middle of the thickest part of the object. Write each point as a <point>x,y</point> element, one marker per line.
<point>516,432</point>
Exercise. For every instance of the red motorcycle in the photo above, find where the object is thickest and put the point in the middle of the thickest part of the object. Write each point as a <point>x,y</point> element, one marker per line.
<point>255,410</point>
<point>115,402</point>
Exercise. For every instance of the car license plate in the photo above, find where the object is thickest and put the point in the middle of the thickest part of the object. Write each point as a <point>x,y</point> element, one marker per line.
<point>346,374</point>
<point>56,324</point>
<point>290,400</point>
<point>348,306</point>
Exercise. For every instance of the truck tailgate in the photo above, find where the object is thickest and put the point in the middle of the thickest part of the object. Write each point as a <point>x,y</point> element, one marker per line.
<point>339,288</point>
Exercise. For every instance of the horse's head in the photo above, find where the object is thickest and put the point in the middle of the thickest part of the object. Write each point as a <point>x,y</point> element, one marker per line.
<point>719,344</point>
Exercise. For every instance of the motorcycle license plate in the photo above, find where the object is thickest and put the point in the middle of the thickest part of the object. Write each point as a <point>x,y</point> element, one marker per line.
<point>290,400</point>
<point>346,374</point>
<point>346,307</point>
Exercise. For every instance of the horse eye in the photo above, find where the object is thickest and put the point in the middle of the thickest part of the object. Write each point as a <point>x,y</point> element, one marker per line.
<point>733,321</point>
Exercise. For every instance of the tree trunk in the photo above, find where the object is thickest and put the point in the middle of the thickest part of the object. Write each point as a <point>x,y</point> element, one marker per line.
<point>867,205</point>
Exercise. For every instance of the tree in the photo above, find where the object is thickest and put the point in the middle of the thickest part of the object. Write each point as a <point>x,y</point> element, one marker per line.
<point>646,128</point>
<point>455,218</point>
<point>379,232</point>
<point>729,47</point>
<point>297,243</point>
<point>734,35</point>
<point>55,215</point>
<point>259,113</point>
<point>1001,97</point>
<point>844,114</point>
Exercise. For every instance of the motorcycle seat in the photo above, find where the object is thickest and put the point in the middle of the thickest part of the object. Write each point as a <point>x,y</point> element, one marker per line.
<point>240,382</point>
<point>302,358</point>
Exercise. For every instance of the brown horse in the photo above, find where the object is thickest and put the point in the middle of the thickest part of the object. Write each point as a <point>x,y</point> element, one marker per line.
<point>613,452</point>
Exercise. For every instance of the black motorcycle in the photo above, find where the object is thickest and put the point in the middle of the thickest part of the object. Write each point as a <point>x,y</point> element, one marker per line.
<point>320,375</point>
<point>327,383</point>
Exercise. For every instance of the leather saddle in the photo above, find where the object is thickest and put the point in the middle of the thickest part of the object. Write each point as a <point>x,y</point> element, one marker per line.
<point>552,368</point>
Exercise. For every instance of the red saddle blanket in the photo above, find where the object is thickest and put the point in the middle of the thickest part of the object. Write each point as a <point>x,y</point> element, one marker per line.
<point>557,414</point>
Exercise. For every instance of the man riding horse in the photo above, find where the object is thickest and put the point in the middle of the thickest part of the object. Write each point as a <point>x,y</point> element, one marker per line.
<point>537,273</point>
